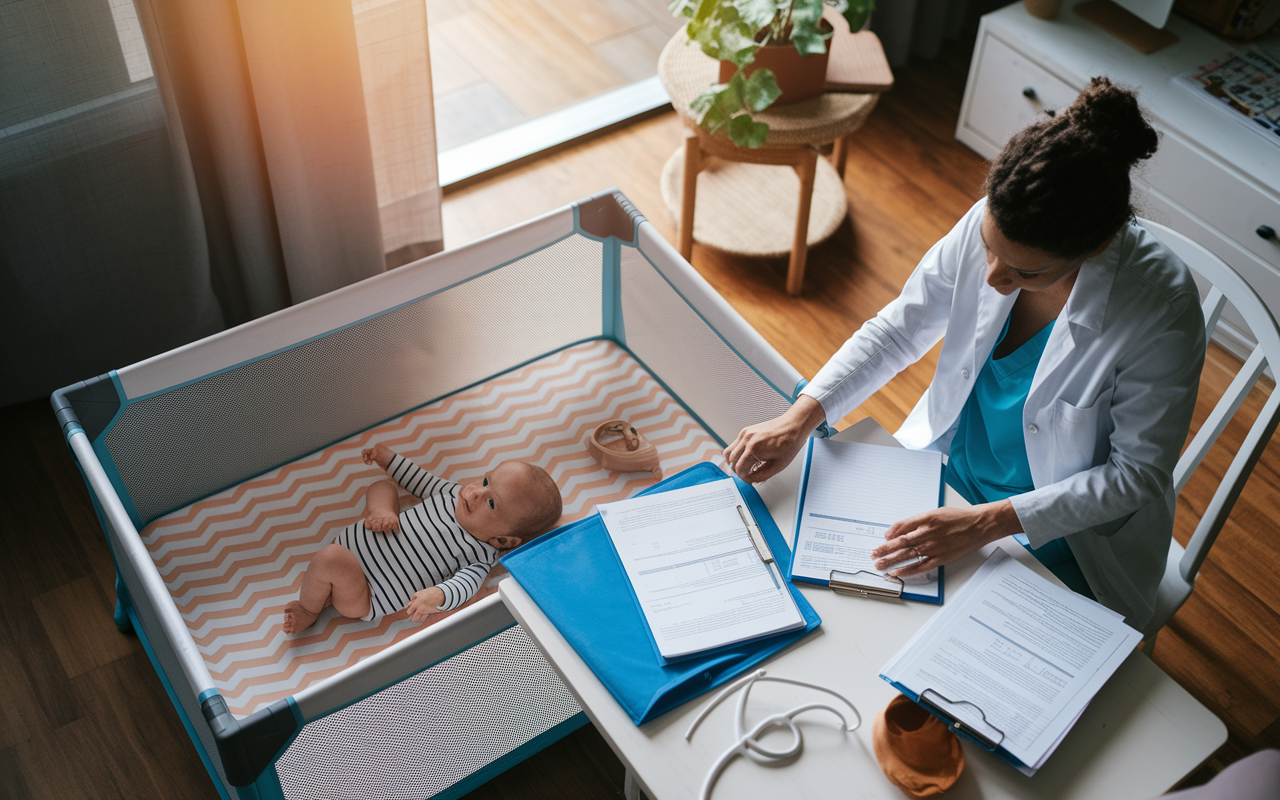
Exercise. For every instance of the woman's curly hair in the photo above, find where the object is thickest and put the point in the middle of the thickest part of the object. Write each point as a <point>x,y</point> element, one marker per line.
<point>1061,185</point>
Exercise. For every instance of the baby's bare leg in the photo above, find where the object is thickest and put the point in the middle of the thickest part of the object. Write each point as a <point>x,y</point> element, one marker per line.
<point>382,507</point>
<point>334,575</point>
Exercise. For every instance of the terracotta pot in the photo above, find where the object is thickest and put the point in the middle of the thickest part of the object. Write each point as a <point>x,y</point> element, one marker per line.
<point>1042,9</point>
<point>799,77</point>
<point>916,750</point>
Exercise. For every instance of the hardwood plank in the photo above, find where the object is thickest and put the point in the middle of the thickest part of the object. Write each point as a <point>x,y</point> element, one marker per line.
<point>468,114</point>
<point>658,12</point>
<point>20,713</point>
<point>593,21</point>
<point>12,780</point>
<point>138,732</point>
<point>527,56</point>
<point>634,54</point>
<point>71,761</point>
<point>77,618</point>
<point>449,70</point>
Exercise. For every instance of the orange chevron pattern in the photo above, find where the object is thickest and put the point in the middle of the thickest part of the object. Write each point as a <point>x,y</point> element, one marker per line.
<point>232,560</point>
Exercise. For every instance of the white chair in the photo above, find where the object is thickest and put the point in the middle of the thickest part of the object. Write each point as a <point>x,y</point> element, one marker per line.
<point>1225,286</point>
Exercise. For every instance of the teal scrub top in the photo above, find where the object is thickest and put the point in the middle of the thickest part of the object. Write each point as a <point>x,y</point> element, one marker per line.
<point>988,458</point>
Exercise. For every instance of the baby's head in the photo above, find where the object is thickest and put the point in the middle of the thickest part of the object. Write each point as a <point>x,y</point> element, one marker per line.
<point>511,504</point>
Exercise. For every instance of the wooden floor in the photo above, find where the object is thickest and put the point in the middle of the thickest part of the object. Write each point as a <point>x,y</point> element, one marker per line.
<point>82,713</point>
<point>497,63</point>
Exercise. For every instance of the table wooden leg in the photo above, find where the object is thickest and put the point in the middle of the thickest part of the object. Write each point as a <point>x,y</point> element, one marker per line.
<point>840,154</point>
<point>800,246</point>
<point>688,193</point>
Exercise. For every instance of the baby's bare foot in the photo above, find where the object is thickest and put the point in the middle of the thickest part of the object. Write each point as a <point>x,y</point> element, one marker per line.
<point>297,618</point>
<point>382,523</point>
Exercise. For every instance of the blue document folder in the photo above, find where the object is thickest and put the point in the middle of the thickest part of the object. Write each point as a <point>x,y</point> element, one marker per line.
<point>574,576</point>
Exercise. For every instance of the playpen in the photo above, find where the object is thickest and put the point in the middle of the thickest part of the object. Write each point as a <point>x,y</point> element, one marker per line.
<point>217,469</point>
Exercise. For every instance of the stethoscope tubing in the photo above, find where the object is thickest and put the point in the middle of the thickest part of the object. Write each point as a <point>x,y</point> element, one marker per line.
<point>748,744</point>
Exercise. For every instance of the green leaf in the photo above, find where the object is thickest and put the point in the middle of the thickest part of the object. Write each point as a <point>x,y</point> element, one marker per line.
<point>856,13</point>
<point>746,132</point>
<point>809,39</point>
<point>760,90</point>
<point>682,8</point>
<point>758,13</point>
<point>806,11</point>
<point>707,114</point>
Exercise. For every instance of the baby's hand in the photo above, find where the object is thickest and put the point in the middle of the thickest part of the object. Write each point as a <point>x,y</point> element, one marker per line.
<point>382,523</point>
<point>425,603</point>
<point>379,454</point>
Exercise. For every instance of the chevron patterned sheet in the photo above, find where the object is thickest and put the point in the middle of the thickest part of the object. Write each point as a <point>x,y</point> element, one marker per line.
<point>232,560</point>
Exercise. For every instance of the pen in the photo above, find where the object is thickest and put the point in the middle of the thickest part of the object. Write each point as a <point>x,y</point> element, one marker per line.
<point>757,538</point>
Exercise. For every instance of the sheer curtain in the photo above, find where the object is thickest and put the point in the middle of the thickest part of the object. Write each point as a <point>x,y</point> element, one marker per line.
<point>174,168</point>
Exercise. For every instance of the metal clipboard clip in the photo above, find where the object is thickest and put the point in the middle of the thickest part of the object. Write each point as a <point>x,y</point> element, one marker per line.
<point>849,583</point>
<point>757,537</point>
<point>952,711</point>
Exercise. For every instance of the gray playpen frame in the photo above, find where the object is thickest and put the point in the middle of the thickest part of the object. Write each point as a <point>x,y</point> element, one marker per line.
<point>168,431</point>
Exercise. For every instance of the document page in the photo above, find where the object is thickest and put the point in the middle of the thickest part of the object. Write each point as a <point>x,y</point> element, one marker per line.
<point>697,576</point>
<point>851,494</point>
<point>1014,657</point>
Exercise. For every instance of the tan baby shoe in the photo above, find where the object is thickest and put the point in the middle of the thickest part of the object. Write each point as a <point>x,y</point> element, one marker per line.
<point>618,446</point>
<point>916,750</point>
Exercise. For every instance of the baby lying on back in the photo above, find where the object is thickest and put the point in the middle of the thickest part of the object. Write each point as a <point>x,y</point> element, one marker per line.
<point>432,557</point>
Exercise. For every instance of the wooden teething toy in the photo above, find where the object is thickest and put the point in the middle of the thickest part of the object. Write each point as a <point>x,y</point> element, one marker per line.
<point>618,446</point>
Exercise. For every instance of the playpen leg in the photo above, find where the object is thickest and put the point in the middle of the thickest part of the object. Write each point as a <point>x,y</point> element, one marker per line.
<point>122,604</point>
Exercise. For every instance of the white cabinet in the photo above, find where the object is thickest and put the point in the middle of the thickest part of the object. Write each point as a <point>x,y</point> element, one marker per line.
<point>1211,179</point>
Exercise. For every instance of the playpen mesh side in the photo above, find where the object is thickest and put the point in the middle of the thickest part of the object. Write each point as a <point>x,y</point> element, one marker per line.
<point>169,664</point>
<point>233,425</point>
<point>421,736</point>
<point>703,371</point>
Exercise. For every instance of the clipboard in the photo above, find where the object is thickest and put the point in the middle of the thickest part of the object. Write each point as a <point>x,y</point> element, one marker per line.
<point>753,535</point>
<point>977,730</point>
<point>862,583</point>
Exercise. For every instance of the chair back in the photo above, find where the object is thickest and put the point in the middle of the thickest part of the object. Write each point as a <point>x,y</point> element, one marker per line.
<point>1225,286</point>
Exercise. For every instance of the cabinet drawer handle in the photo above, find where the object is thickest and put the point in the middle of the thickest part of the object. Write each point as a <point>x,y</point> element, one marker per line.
<point>1266,232</point>
<point>1029,93</point>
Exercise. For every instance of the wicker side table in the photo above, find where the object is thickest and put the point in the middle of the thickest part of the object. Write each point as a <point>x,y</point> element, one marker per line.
<point>750,198</point>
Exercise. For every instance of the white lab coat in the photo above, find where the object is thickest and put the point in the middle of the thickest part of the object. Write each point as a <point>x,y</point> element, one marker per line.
<point>1107,412</point>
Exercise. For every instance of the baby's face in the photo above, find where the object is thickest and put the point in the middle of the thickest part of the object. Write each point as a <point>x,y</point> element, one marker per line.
<point>494,508</point>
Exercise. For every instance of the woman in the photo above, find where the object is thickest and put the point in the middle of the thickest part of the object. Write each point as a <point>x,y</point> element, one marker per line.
<point>1068,375</point>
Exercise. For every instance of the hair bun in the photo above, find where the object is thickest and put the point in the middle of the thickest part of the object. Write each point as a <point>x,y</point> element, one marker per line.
<point>1111,117</point>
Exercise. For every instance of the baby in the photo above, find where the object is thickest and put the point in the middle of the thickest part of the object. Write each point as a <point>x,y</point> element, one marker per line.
<point>433,556</point>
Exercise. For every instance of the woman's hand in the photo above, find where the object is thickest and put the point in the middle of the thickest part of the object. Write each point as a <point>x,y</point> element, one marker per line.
<point>942,536</point>
<point>762,451</point>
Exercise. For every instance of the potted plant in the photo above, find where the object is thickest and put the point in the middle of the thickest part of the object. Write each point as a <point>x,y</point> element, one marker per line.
<point>734,31</point>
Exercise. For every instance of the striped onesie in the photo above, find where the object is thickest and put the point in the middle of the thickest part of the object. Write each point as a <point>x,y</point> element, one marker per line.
<point>431,548</point>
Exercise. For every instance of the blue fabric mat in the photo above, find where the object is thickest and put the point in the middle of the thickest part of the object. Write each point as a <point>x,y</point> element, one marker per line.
<point>574,576</point>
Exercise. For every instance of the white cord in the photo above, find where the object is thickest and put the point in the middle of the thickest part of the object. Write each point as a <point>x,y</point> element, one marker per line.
<point>748,743</point>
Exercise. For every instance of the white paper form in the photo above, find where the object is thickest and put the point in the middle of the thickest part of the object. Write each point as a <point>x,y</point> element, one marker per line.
<point>1029,654</point>
<point>697,576</point>
<point>851,494</point>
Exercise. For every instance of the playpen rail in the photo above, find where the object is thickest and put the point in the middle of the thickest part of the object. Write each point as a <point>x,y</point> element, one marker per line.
<point>443,639</point>
<point>128,546</point>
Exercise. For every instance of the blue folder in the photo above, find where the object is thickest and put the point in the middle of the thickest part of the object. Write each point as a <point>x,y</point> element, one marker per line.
<point>574,576</point>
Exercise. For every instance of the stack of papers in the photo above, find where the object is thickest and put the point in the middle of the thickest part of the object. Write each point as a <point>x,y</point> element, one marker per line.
<point>697,574</point>
<point>850,495</point>
<point>1014,659</point>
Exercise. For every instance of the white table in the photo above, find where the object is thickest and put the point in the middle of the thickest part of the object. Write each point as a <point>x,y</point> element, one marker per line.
<point>1141,735</point>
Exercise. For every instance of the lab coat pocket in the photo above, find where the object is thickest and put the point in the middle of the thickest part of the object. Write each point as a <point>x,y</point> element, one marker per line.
<point>1077,435</point>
